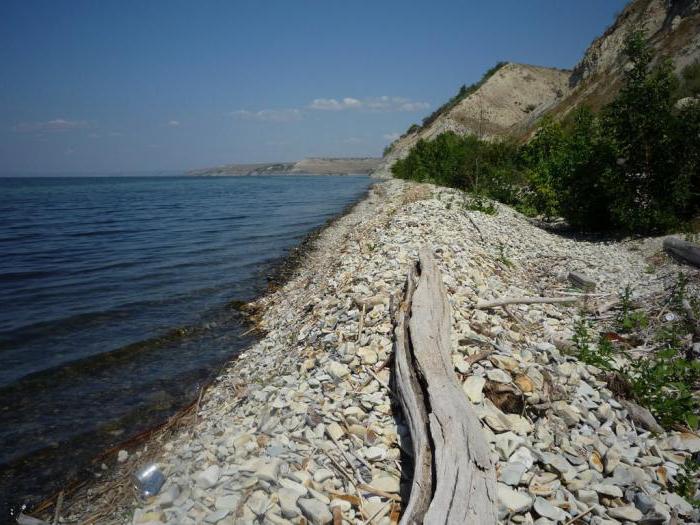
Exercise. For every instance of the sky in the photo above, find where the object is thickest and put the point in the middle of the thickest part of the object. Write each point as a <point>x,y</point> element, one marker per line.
<point>125,86</point>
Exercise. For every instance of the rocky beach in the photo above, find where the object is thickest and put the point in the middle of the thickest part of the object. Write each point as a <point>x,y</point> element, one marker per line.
<point>303,427</point>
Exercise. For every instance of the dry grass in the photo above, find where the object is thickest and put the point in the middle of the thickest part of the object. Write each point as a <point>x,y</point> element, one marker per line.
<point>417,192</point>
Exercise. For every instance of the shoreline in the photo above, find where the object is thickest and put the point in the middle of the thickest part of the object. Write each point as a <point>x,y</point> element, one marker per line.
<point>288,427</point>
<point>278,273</point>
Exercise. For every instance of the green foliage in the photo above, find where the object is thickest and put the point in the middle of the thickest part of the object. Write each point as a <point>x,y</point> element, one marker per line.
<point>487,169</point>
<point>503,257</point>
<point>690,81</point>
<point>628,319</point>
<point>686,484</point>
<point>478,202</point>
<point>600,355</point>
<point>664,384</point>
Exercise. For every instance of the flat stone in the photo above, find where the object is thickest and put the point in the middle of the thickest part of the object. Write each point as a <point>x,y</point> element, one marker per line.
<point>629,475</point>
<point>269,471</point>
<point>334,430</point>
<point>216,516</point>
<point>569,414</point>
<point>511,473</point>
<point>473,386</point>
<point>685,441</point>
<point>519,424</point>
<point>544,484</point>
<point>612,459</point>
<point>626,513</point>
<point>300,489</point>
<point>589,497</point>
<point>607,490</point>
<point>367,356</point>
<point>209,477</point>
<point>337,370</point>
<point>375,453</point>
<point>258,502</point>
<point>288,502</point>
<point>643,502</point>
<point>167,498</point>
<point>546,509</point>
<point>524,383</point>
<point>498,375</point>
<point>504,362</point>
<point>315,511</point>
<point>678,503</point>
<point>559,464</point>
<point>229,502</point>
<point>513,500</point>
<point>322,475</point>
<point>524,456</point>
<point>387,483</point>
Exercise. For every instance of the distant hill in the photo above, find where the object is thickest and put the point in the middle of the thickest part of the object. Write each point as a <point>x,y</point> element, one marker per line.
<point>314,165</point>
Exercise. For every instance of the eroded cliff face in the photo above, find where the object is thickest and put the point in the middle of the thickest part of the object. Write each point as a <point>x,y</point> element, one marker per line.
<point>673,29</point>
<point>513,99</point>
<point>514,94</point>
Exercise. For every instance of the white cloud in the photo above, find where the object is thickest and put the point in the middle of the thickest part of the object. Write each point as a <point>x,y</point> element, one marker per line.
<point>268,115</point>
<point>51,126</point>
<point>353,140</point>
<point>331,104</point>
<point>391,136</point>
<point>383,103</point>
<point>173,123</point>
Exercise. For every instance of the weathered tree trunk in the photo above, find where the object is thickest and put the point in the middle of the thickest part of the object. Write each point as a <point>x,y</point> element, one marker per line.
<point>454,478</point>
<point>684,250</point>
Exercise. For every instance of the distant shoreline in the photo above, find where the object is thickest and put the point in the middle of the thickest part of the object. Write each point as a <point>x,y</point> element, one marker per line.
<point>311,166</point>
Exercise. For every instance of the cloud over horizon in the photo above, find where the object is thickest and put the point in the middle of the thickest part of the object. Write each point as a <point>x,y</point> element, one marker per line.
<point>51,126</point>
<point>268,115</point>
<point>383,103</point>
<point>372,104</point>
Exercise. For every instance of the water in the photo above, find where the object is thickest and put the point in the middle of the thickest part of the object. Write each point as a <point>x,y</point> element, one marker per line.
<point>116,299</point>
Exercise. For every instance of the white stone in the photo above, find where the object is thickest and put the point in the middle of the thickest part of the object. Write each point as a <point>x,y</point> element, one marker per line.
<point>209,477</point>
<point>473,387</point>
<point>513,500</point>
<point>498,375</point>
<point>315,511</point>
<point>625,513</point>
<point>546,509</point>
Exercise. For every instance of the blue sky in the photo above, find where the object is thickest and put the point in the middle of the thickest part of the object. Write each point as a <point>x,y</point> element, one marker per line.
<point>105,86</point>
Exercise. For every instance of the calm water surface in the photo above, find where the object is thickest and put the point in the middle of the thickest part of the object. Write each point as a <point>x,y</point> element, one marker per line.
<point>116,302</point>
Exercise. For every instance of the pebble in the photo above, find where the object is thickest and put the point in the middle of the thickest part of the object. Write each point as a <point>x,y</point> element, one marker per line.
<point>547,510</point>
<point>303,392</point>
<point>473,387</point>
<point>513,500</point>
<point>209,477</point>
<point>315,511</point>
<point>625,513</point>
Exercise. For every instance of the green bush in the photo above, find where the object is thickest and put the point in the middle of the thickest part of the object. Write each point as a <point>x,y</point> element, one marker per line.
<point>489,169</point>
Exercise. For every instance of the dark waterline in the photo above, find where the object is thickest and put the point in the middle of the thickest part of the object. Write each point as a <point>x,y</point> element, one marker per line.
<point>116,301</point>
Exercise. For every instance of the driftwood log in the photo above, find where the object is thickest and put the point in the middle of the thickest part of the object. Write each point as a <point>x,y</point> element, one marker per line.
<point>454,479</point>
<point>525,300</point>
<point>684,250</point>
